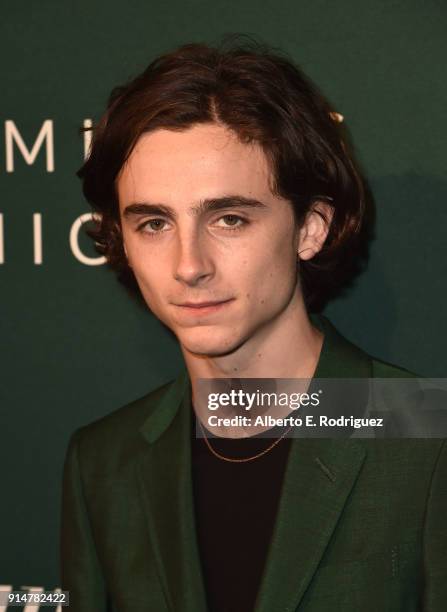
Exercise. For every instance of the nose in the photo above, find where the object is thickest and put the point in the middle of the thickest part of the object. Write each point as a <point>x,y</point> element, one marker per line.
<point>193,264</point>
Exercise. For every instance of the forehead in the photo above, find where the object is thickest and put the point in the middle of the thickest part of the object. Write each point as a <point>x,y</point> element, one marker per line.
<point>204,161</point>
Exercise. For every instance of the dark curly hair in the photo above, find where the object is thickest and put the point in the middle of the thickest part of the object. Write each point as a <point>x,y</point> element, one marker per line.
<point>263,97</point>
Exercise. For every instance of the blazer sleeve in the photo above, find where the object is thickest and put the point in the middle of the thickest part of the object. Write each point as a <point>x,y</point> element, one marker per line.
<point>435,539</point>
<point>80,570</point>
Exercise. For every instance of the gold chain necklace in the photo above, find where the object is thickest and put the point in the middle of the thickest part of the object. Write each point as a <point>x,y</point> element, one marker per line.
<point>245,459</point>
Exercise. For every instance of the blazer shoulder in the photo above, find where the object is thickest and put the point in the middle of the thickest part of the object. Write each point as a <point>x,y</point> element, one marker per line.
<point>384,369</point>
<point>115,437</point>
<point>131,414</point>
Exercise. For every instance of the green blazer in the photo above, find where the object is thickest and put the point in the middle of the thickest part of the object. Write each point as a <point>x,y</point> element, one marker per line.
<point>361,524</point>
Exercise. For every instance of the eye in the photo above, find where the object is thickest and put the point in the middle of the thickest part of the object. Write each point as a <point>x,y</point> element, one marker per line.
<point>152,226</point>
<point>231,222</point>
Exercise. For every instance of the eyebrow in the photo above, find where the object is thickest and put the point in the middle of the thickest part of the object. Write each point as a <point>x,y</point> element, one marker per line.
<point>205,206</point>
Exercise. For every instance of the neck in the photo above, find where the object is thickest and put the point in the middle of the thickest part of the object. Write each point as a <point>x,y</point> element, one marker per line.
<point>288,347</point>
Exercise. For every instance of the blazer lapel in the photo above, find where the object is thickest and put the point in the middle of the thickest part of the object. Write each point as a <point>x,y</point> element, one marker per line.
<point>319,477</point>
<point>164,475</point>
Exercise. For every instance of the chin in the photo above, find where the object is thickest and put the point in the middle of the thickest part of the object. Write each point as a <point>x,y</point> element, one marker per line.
<point>210,342</point>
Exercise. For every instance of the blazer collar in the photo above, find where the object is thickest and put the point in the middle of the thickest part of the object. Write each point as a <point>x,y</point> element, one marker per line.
<point>319,476</point>
<point>339,358</point>
<point>164,413</point>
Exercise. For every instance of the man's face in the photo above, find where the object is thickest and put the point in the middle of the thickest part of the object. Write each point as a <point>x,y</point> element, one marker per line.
<point>200,226</point>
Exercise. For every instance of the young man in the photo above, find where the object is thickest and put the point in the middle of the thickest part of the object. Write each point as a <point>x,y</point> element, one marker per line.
<point>230,204</point>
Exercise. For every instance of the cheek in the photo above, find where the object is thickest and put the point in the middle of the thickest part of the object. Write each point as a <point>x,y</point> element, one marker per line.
<point>267,281</point>
<point>267,267</point>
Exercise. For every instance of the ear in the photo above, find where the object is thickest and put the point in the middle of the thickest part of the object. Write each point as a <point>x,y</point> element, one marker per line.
<point>119,232</point>
<point>314,230</point>
<point>125,250</point>
<point>126,254</point>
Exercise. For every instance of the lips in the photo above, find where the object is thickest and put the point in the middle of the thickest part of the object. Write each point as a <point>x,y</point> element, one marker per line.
<point>203,309</point>
<point>203,304</point>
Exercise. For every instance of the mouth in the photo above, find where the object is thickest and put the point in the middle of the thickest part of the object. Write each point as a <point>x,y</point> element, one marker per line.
<point>203,307</point>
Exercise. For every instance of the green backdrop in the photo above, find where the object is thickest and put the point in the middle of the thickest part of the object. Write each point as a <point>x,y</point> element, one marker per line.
<point>74,346</point>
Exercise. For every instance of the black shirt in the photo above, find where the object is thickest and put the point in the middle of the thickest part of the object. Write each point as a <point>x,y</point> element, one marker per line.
<point>235,510</point>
